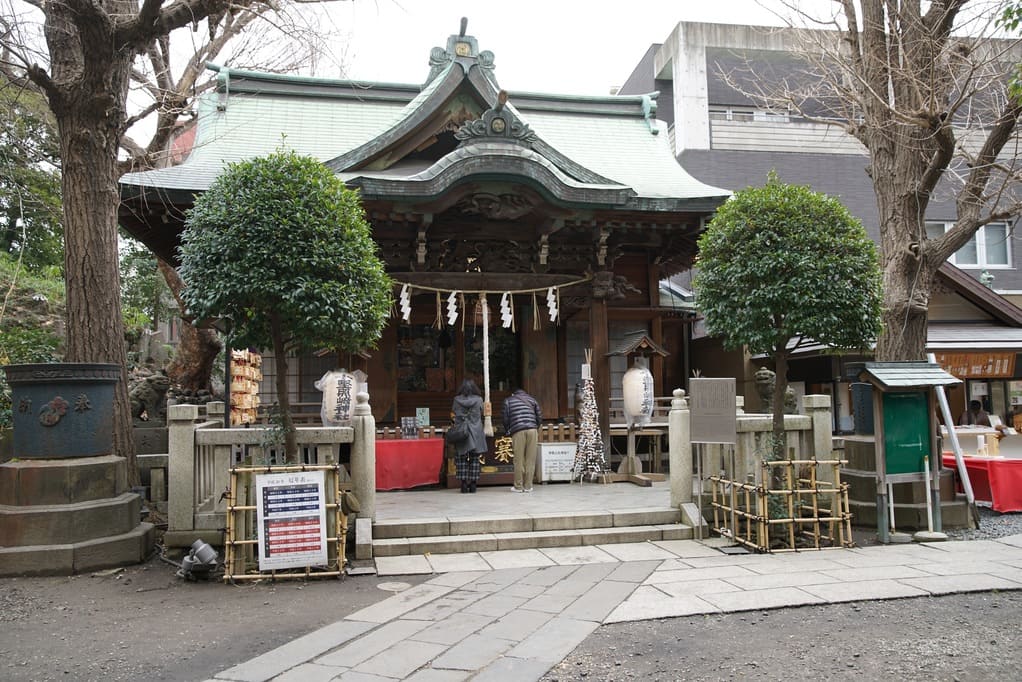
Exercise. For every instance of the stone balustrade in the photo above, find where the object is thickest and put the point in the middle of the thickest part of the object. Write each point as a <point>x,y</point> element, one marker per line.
<point>202,452</point>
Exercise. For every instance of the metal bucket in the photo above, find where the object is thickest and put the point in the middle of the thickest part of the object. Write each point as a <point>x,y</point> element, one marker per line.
<point>62,410</point>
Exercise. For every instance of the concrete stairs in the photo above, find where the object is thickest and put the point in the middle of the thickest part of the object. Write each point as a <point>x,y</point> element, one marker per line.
<point>400,537</point>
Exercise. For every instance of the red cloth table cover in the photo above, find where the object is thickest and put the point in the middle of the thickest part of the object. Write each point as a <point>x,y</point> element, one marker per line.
<point>407,463</point>
<point>995,480</point>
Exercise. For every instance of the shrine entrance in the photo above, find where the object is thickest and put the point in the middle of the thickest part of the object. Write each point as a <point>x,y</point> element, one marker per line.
<point>572,210</point>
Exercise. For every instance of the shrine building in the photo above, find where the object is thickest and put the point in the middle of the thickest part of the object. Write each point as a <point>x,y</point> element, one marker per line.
<point>572,210</point>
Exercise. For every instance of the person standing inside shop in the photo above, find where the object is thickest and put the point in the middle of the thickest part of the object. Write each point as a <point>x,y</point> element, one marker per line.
<point>468,407</point>
<point>975,415</point>
<point>522,418</point>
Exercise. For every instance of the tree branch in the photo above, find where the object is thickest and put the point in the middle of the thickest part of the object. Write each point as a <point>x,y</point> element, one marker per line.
<point>944,136</point>
<point>152,22</point>
<point>1002,131</point>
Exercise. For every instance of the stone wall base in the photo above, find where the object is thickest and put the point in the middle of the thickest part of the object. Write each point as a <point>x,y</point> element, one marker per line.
<point>66,516</point>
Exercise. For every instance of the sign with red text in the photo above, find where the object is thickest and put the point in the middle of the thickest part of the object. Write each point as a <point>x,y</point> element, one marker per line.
<point>291,520</point>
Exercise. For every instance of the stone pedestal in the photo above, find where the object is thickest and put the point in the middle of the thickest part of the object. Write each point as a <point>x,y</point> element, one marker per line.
<point>65,516</point>
<point>909,498</point>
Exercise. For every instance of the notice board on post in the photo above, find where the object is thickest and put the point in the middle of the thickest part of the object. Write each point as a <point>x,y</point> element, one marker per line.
<point>712,407</point>
<point>291,520</point>
<point>906,431</point>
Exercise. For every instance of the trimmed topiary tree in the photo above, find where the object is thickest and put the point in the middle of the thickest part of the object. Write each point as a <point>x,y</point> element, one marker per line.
<point>280,249</point>
<point>780,265</point>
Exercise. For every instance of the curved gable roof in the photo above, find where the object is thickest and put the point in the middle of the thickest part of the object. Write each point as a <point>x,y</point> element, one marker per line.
<point>362,131</point>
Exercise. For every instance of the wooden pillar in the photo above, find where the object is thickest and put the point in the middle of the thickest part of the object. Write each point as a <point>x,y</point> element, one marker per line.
<point>599,342</point>
<point>656,366</point>
<point>539,360</point>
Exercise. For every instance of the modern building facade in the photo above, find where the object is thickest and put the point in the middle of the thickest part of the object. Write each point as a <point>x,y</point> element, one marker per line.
<point>724,138</point>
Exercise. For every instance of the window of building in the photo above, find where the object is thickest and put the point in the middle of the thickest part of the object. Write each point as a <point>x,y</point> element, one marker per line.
<point>738,113</point>
<point>988,247</point>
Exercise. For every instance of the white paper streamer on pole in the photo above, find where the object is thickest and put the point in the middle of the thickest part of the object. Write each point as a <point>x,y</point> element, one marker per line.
<point>487,418</point>
<point>452,308</point>
<point>406,303</point>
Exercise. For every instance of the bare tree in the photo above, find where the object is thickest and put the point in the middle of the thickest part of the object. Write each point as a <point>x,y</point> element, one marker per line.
<point>924,87</point>
<point>84,58</point>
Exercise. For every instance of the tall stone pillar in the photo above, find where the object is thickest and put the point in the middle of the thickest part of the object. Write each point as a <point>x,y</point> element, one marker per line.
<point>679,438</point>
<point>363,457</point>
<point>181,420</point>
<point>817,407</point>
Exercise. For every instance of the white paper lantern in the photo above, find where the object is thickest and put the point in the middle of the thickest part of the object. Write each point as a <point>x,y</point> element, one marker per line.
<point>637,387</point>
<point>339,391</point>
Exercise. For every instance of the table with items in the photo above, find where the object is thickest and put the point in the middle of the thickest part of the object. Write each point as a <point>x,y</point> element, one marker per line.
<point>405,463</point>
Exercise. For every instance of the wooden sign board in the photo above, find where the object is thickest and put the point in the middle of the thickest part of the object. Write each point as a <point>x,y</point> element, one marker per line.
<point>712,408</point>
<point>978,365</point>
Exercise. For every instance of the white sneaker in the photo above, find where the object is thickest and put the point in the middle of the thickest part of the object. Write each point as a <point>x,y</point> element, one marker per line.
<point>527,490</point>
<point>516,490</point>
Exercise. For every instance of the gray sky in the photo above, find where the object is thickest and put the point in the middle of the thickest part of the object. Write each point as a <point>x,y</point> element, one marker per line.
<point>565,46</point>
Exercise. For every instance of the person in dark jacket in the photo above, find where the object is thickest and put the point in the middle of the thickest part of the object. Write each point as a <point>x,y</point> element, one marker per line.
<point>468,407</point>
<point>522,418</point>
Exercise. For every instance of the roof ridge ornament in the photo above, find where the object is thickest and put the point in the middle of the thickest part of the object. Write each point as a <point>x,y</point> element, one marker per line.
<point>461,48</point>
<point>649,111</point>
<point>497,123</point>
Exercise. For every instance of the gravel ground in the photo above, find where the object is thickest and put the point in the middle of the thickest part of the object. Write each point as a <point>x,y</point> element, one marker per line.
<point>144,623</point>
<point>971,637</point>
<point>967,637</point>
<point>991,525</point>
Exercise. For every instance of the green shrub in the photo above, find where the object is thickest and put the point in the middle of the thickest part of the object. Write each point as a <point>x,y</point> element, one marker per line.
<point>20,345</point>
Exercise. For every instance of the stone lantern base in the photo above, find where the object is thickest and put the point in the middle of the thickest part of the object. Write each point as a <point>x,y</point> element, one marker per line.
<point>66,516</point>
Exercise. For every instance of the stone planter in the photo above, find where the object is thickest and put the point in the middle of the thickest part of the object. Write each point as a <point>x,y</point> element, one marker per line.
<point>62,410</point>
<point>65,505</point>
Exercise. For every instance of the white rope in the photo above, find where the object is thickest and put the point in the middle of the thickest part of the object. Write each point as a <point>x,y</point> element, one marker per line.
<point>487,419</point>
<point>421,287</point>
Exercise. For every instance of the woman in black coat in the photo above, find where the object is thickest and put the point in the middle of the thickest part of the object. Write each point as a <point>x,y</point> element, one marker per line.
<point>468,407</point>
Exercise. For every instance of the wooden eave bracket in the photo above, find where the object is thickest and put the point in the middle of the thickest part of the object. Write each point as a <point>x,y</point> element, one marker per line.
<point>420,251</point>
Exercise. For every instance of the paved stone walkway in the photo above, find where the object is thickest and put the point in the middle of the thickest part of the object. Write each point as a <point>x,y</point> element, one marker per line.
<point>517,621</point>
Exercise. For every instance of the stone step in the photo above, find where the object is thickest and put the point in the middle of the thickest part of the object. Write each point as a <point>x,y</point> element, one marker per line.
<point>495,541</point>
<point>475,525</point>
<point>59,524</point>
<point>66,559</point>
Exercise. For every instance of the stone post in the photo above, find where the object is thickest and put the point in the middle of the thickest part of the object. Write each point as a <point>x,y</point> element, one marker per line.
<point>215,411</point>
<point>817,408</point>
<point>223,458</point>
<point>363,457</point>
<point>679,440</point>
<point>181,467</point>
<point>680,449</point>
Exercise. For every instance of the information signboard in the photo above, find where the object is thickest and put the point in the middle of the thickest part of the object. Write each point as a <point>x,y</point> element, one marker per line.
<point>712,407</point>
<point>291,520</point>
<point>906,431</point>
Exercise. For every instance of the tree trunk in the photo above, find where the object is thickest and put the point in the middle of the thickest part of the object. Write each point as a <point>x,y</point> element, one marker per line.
<point>907,285</point>
<point>283,399</point>
<point>897,164</point>
<point>780,388</point>
<point>197,351</point>
<point>88,117</point>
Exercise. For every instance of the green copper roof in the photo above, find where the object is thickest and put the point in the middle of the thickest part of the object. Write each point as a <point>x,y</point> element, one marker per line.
<point>608,144</point>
